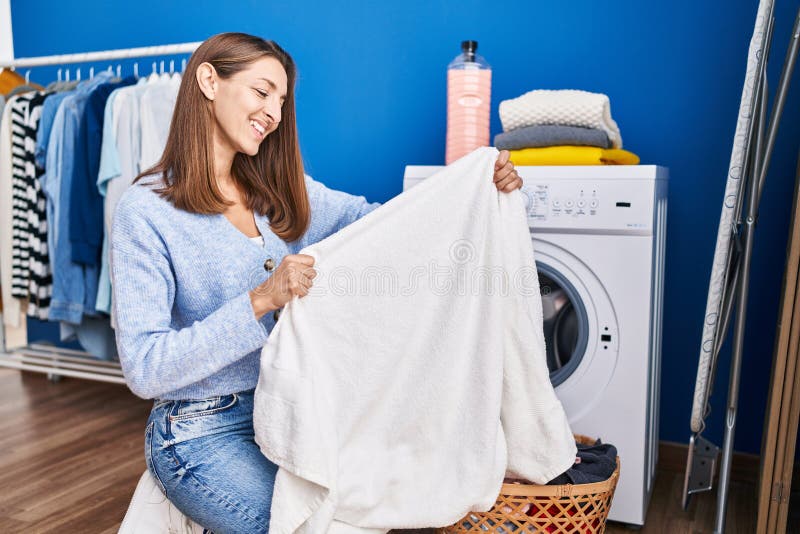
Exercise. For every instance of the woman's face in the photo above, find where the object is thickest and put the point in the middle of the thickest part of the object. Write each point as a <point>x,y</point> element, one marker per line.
<point>247,106</point>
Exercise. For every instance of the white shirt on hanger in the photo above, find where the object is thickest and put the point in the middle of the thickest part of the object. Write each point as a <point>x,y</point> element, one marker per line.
<point>156,106</point>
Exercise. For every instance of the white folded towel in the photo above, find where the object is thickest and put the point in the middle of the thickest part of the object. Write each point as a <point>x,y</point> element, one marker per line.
<point>404,387</point>
<point>568,107</point>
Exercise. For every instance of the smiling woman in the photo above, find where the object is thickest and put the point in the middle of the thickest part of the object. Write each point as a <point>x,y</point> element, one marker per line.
<point>249,97</point>
<point>190,322</point>
<point>235,120</point>
<point>205,251</point>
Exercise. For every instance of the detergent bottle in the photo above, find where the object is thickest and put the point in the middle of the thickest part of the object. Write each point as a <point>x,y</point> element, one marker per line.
<point>469,89</point>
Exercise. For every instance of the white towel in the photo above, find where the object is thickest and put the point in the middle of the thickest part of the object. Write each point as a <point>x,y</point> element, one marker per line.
<point>567,107</point>
<point>151,513</point>
<point>381,393</point>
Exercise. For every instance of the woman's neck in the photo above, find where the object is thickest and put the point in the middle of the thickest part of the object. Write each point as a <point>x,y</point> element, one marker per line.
<point>223,170</point>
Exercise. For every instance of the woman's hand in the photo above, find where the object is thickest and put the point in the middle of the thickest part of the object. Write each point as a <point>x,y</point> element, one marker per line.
<point>292,277</point>
<point>506,177</point>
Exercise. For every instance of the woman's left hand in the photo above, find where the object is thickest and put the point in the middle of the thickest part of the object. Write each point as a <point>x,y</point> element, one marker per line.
<point>506,177</point>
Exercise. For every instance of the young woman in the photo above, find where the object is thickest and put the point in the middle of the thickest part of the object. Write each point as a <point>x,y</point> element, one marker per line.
<point>204,254</point>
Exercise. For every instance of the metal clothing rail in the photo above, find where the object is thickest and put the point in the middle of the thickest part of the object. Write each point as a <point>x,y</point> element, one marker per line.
<point>89,57</point>
<point>56,361</point>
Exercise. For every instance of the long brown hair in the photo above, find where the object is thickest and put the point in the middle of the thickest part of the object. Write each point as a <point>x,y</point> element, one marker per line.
<point>272,181</point>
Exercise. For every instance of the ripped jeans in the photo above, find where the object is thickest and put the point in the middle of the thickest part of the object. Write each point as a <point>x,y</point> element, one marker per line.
<point>204,458</point>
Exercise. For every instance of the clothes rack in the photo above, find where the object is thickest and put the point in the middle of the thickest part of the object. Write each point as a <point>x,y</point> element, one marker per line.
<point>57,361</point>
<point>93,57</point>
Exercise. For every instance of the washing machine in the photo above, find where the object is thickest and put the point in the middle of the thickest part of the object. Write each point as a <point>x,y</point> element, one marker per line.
<point>599,241</point>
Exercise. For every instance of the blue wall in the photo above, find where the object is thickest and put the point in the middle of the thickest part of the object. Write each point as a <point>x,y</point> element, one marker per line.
<point>371,99</point>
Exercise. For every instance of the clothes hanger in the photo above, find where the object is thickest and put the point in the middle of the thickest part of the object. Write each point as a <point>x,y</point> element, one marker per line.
<point>25,86</point>
<point>69,84</point>
<point>174,75</point>
<point>55,85</point>
<point>9,79</point>
<point>164,74</point>
<point>154,75</point>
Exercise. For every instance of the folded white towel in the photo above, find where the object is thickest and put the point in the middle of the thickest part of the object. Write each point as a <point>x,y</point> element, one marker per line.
<point>400,391</point>
<point>568,107</point>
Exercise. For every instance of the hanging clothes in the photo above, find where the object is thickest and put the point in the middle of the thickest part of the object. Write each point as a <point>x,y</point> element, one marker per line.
<point>30,263</point>
<point>155,108</point>
<point>14,323</point>
<point>68,154</point>
<point>42,275</point>
<point>85,202</point>
<point>108,168</point>
<point>121,155</point>
<point>74,285</point>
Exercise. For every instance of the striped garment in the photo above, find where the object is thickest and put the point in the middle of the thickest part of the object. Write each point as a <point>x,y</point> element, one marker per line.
<point>31,276</point>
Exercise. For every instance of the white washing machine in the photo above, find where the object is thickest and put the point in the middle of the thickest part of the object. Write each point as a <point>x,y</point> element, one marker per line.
<point>599,241</point>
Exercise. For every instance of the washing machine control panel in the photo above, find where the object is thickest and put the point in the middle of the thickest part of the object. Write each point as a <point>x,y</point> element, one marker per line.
<point>602,205</point>
<point>541,203</point>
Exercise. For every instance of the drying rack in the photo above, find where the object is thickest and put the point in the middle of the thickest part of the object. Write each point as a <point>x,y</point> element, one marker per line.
<point>754,140</point>
<point>57,361</point>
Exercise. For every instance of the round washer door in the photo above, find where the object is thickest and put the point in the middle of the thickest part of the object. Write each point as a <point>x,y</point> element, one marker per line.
<point>580,328</point>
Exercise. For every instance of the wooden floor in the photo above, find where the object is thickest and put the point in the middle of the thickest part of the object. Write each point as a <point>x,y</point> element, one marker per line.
<point>71,454</point>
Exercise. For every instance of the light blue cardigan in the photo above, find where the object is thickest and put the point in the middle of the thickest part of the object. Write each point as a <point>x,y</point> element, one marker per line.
<point>185,325</point>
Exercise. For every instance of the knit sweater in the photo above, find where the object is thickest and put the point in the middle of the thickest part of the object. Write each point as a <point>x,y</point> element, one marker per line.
<point>185,324</point>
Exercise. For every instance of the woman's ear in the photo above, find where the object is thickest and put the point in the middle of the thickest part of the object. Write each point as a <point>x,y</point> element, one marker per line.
<point>207,80</point>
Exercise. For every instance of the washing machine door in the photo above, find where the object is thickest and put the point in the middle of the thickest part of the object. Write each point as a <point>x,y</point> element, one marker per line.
<point>566,326</point>
<point>580,326</point>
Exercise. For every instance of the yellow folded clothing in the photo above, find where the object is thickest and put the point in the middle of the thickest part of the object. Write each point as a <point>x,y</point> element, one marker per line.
<point>573,155</point>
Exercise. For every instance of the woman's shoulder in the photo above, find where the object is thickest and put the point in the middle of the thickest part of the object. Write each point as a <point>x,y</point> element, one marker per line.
<point>312,186</point>
<point>142,218</point>
<point>143,199</point>
<point>317,190</point>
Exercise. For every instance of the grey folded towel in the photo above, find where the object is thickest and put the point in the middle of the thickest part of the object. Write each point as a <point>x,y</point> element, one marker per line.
<point>551,135</point>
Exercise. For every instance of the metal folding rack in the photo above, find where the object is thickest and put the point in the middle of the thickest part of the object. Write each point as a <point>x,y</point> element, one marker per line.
<point>52,360</point>
<point>728,288</point>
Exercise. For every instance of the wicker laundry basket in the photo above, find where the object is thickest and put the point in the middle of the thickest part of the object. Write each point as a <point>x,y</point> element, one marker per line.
<point>564,509</point>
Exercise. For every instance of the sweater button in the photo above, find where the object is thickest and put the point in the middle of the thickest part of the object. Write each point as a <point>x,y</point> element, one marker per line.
<point>277,315</point>
<point>269,265</point>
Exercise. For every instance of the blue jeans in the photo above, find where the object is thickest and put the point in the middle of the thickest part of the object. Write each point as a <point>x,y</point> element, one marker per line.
<point>203,455</point>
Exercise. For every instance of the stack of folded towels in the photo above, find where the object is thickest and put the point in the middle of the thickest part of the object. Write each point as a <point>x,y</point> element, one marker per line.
<point>563,127</point>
